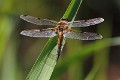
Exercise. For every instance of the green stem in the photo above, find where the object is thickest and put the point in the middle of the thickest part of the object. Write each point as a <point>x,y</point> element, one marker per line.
<point>72,9</point>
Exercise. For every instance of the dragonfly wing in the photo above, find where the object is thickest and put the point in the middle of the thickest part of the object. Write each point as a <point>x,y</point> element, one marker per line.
<point>85,23</point>
<point>38,21</point>
<point>38,33</point>
<point>83,35</point>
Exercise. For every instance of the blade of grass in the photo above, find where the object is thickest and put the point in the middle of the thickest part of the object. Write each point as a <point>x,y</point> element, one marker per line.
<point>44,66</point>
<point>35,73</point>
<point>72,10</point>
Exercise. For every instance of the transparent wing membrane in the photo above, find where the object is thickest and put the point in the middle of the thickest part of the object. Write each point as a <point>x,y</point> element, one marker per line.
<point>83,36</point>
<point>85,23</point>
<point>60,25</point>
<point>38,33</point>
<point>38,21</point>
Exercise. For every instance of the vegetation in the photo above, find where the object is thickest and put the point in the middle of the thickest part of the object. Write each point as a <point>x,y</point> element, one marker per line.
<point>79,60</point>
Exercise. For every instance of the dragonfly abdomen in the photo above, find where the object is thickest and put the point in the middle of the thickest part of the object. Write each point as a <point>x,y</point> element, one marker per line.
<point>60,39</point>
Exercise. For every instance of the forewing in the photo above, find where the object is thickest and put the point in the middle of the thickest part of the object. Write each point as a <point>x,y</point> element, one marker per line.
<point>38,33</point>
<point>83,36</point>
<point>85,23</point>
<point>38,21</point>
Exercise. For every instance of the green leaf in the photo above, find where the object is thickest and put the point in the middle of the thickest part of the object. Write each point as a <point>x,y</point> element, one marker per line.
<point>44,66</point>
<point>45,61</point>
<point>72,9</point>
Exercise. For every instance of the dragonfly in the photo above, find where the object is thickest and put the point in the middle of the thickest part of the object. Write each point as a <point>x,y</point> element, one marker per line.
<point>61,29</point>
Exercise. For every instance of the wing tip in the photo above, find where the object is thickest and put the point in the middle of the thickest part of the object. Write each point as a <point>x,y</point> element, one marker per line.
<point>101,19</point>
<point>23,32</point>
<point>99,36</point>
<point>23,15</point>
<point>26,33</point>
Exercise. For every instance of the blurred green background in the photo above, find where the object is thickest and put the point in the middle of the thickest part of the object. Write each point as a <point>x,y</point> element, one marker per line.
<point>16,51</point>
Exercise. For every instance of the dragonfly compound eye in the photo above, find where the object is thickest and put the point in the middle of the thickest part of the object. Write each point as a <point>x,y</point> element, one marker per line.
<point>65,19</point>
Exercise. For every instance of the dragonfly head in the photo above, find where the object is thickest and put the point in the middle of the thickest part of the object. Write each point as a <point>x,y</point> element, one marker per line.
<point>63,22</point>
<point>64,19</point>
